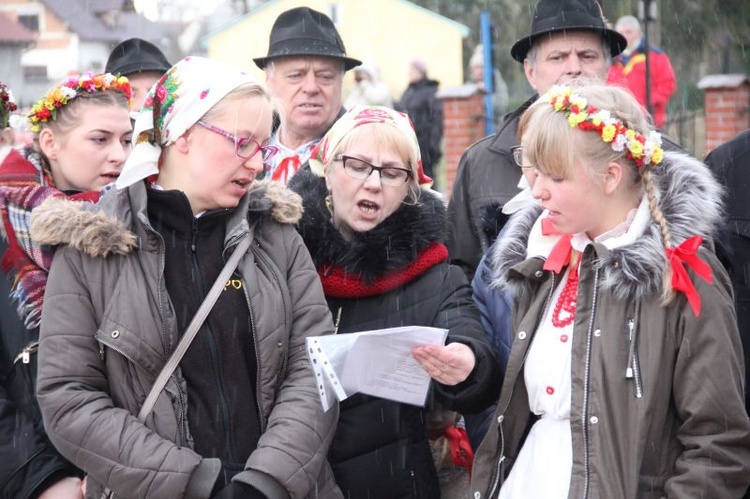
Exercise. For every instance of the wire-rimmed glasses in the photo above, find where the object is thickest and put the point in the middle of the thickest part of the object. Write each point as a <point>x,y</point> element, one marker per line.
<point>360,169</point>
<point>244,147</point>
<point>517,152</point>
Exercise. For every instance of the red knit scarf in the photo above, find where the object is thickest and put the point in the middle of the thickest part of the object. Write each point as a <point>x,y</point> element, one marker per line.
<point>337,283</point>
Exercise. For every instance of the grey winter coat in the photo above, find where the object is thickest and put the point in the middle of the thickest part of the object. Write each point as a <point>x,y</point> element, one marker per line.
<point>675,428</point>
<point>108,327</point>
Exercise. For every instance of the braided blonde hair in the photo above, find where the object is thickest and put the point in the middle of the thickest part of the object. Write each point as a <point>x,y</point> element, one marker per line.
<point>554,147</point>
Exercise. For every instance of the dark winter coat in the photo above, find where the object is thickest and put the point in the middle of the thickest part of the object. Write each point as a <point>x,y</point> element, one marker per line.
<point>109,325</point>
<point>487,178</point>
<point>28,461</point>
<point>426,114</point>
<point>729,163</point>
<point>677,426</point>
<point>381,448</point>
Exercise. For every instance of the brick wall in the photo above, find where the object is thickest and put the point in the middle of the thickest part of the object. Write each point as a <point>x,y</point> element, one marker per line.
<point>727,107</point>
<point>463,124</point>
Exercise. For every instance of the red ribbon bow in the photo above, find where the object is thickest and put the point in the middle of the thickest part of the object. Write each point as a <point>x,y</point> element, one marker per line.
<point>686,253</point>
<point>461,453</point>
<point>560,254</point>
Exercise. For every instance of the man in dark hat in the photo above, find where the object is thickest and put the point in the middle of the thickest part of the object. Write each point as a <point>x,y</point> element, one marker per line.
<point>304,69</point>
<point>142,62</point>
<point>568,38</point>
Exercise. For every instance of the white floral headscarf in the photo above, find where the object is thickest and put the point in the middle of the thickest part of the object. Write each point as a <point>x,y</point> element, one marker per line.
<point>364,115</point>
<point>183,95</point>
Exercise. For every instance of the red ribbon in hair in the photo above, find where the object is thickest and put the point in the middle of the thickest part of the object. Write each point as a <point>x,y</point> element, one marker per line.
<point>461,453</point>
<point>686,253</point>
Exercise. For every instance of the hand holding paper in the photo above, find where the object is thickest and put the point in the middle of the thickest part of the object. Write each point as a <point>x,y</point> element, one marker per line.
<point>449,365</point>
<point>378,363</point>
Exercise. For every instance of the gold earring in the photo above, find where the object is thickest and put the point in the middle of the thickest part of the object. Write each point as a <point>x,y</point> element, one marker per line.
<point>329,203</point>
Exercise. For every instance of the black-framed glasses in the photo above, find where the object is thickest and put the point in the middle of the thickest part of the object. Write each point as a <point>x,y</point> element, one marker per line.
<point>360,169</point>
<point>517,152</point>
<point>244,147</point>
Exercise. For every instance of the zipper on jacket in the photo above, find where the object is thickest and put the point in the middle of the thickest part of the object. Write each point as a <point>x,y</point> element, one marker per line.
<point>587,387</point>
<point>161,287</point>
<point>25,355</point>
<point>212,347</point>
<point>261,417</point>
<point>337,322</point>
<point>496,481</point>
<point>636,364</point>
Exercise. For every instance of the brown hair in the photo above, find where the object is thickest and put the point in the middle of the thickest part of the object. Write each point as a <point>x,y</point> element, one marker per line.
<point>69,115</point>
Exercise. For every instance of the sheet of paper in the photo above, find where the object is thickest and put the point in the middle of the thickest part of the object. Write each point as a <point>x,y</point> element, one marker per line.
<point>377,363</point>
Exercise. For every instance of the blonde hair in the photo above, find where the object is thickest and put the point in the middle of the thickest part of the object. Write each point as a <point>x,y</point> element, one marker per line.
<point>555,148</point>
<point>244,91</point>
<point>385,136</point>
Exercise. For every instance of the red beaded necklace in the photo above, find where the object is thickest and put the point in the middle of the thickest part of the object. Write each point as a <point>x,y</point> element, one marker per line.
<point>567,300</point>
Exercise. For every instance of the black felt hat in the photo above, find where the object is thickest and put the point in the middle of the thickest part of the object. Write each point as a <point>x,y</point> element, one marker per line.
<point>136,55</point>
<point>551,16</point>
<point>305,32</point>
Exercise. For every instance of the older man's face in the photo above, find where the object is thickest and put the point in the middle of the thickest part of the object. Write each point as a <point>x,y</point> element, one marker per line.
<point>309,88</point>
<point>565,55</point>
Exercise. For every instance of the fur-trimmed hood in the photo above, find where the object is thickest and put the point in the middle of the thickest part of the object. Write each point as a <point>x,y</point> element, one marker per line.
<point>392,245</point>
<point>690,199</point>
<point>107,228</point>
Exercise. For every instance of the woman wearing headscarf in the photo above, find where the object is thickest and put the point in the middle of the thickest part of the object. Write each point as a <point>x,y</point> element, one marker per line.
<point>240,415</point>
<point>375,232</point>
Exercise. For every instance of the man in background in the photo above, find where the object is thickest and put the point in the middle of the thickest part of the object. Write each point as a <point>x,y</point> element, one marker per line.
<point>305,68</point>
<point>629,70</point>
<point>568,38</point>
<point>141,62</point>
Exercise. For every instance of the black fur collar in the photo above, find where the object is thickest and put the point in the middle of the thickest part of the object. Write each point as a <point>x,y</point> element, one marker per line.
<point>392,245</point>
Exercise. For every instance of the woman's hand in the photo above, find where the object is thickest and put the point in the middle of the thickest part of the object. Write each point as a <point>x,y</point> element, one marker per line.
<point>70,487</point>
<point>449,365</point>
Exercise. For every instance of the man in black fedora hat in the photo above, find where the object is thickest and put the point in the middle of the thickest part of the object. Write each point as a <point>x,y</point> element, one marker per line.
<point>305,68</point>
<point>142,62</point>
<point>568,38</point>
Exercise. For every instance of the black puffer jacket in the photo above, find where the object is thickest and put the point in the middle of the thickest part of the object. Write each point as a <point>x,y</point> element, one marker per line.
<point>380,448</point>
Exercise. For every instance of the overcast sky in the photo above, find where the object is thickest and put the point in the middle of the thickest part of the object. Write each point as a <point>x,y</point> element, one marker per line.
<point>175,10</point>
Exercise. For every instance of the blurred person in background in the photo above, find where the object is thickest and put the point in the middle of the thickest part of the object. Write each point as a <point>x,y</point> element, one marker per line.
<point>500,90</point>
<point>426,113</point>
<point>629,70</point>
<point>369,89</point>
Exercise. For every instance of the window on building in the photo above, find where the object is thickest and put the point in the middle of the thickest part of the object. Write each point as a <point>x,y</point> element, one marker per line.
<point>35,73</point>
<point>29,21</point>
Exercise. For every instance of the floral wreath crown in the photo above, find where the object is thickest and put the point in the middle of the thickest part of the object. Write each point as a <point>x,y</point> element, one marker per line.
<point>45,109</point>
<point>7,105</point>
<point>642,150</point>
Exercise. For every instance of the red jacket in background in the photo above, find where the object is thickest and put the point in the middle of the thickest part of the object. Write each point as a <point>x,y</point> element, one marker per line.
<point>629,71</point>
